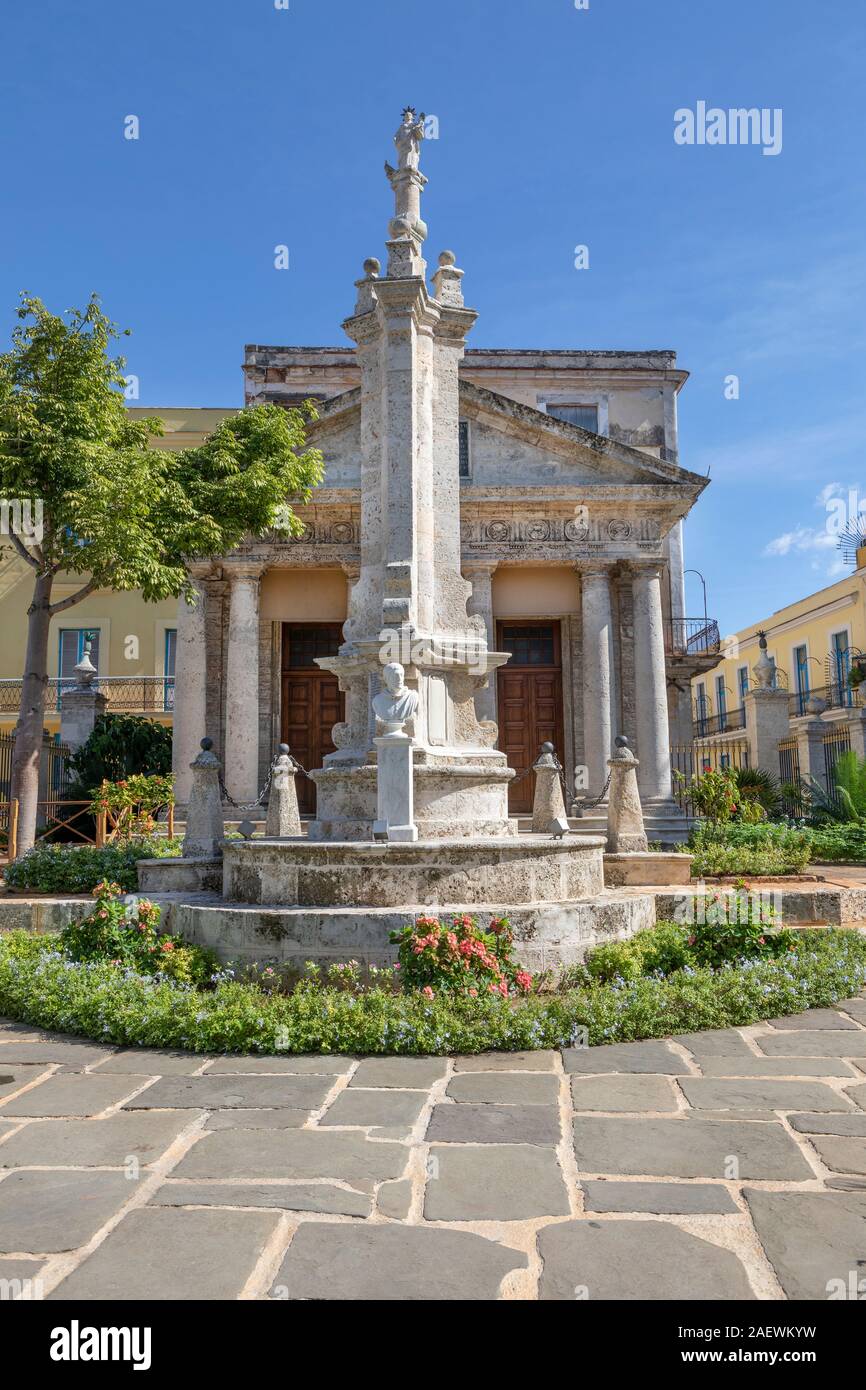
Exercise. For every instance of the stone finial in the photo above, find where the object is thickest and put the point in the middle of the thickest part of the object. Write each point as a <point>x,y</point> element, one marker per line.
<point>366,287</point>
<point>205,830</point>
<point>447,285</point>
<point>283,816</point>
<point>625,827</point>
<point>764,669</point>
<point>548,806</point>
<point>85,671</point>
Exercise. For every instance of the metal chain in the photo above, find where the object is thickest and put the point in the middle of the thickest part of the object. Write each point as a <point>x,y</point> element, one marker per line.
<point>595,800</point>
<point>251,805</point>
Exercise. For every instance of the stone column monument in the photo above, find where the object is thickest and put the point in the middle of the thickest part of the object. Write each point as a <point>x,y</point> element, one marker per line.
<point>409,605</point>
<point>80,704</point>
<point>625,827</point>
<point>283,818</point>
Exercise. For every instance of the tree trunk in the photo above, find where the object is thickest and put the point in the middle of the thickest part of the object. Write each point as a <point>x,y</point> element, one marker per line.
<point>31,715</point>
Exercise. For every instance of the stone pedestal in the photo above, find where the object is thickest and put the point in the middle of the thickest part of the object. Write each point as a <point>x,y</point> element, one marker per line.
<point>625,827</point>
<point>205,831</point>
<point>810,751</point>
<point>283,819</point>
<point>394,801</point>
<point>766,723</point>
<point>548,805</point>
<point>81,704</point>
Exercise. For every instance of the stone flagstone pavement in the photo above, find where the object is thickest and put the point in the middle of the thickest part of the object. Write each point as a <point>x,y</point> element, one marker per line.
<point>714,1165</point>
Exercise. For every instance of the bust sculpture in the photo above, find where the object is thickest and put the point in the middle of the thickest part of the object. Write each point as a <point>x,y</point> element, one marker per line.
<point>396,704</point>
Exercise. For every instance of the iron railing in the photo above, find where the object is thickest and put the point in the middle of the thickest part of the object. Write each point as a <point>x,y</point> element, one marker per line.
<point>691,761</point>
<point>126,694</point>
<point>837,696</point>
<point>692,637</point>
<point>710,725</point>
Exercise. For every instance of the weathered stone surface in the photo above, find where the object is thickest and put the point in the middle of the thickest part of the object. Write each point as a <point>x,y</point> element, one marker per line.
<point>13,1078</point>
<point>231,1092</point>
<point>285,1063</point>
<point>817,1043</point>
<point>687,1148</point>
<point>661,1198</point>
<point>858,1095</point>
<point>162,1253</point>
<point>636,1260</point>
<point>317,1197</point>
<point>409,1072</point>
<point>257,1119</point>
<point>368,1108</point>
<point>395,1198</point>
<point>495,1124</point>
<point>622,1092</point>
<point>715,1042</point>
<point>145,1061</point>
<point>810,1238</point>
<point>775,1066</point>
<point>709,1093</point>
<point>20,1273</point>
<point>504,1088</point>
<point>856,1008</point>
<point>93,1143</point>
<point>293,1153</point>
<point>82,1054</point>
<point>843,1154</point>
<point>72,1094</point>
<point>625,1057</point>
<point>393,1263</point>
<point>854,1125</point>
<point>493,1182</point>
<point>813,1018</point>
<point>507,1061</point>
<point>50,1211</point>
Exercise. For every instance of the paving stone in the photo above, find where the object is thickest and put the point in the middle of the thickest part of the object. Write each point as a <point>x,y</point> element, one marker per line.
<point>395,1198</point>
<point>13,1078</point>
<point>413,1073</point>
<point>293,1153</point>
<point>622,1093</point>
<point>661,1198</point>
<point>318,1197</point>
<point>50,1211</point>
<point>495,1124</point>
<point>636,1260</point>
<point>75,1054</point>
<point>765,1116</point>
<point>257,1119</point>
<point>842,1154</point>
<point>93,1143</point>
<point>507,1061</point>
<point>813,1018</point>
<point>72,1094</point>
<point>145,1061</point>
<point>715,1042</point>
<point>815,1043</point>
<point>504,1088</point>
<point>858,1095</point>
<point>627,1057</point>
<point>856,1008</point>
<point>164,1253</point>
<point>776,1066</point>
<point>687,1148</point>
<point>18,1275</point>
<point>493,1182</point>
<point>368,1108</point>
<point>286,1062</point>
<point>847,1184</point>
<point>854,1125</point>
<point>810,1238</point>
<point>393,1263</point>
<point>708,1093</point>
<point>232,1092</point>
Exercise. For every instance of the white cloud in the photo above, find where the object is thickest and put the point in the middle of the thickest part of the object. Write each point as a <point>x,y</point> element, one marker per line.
<point>800,539</point>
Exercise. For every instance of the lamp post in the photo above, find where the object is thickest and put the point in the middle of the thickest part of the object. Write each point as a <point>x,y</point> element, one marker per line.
<point>704,587</point>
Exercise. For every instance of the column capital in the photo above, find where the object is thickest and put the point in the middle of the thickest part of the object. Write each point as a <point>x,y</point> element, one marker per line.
<point>645,569</point>
<point>237,569</point>
<point>200,569</point>
<point>488,567</point>
<point>594,571</point>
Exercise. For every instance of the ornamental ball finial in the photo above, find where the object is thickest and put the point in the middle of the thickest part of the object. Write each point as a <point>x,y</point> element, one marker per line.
<point>206,744</point>
<point>447,258</point>
<point>372,267</point>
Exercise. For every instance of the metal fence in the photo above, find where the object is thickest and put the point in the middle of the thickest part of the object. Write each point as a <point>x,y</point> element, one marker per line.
<point>707,725</point>
<point>836,696</point>
<point>837,740</point>
<point>126,694</point>
<point>686,636</point>
<point>55,775</point>
<point>789,777</point>
<point>691,760</point>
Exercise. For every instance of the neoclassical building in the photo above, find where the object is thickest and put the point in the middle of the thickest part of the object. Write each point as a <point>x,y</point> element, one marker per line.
<point>571,502</point>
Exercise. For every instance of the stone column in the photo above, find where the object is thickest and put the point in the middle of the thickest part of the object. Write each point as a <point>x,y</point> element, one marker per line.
<point>625,827</point>
<point>481,602</point>
<point>654,774</point>
<point>190,684</point>
<point>204,817</point>
<point>597,676</point>
<point>810,748</point>
<point>80,705</point>
<point>767,723</point>
<point>242,681</point>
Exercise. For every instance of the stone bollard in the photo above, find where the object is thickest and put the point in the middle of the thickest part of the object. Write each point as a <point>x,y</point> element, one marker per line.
<point>625,829</point>
<point>284,819</point>
<point>548,806</point>
<point>205,831</point>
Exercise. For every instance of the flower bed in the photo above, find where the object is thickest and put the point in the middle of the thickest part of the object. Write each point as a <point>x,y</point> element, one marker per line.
<point>48,868</point>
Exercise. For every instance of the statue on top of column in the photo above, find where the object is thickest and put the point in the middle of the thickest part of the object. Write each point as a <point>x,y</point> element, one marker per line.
<point>408,139</point>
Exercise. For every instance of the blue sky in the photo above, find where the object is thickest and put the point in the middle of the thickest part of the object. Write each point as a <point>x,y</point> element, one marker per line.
<point>261,126</point>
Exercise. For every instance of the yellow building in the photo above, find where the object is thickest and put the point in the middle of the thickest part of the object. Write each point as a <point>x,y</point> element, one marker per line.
<point>132,642</point>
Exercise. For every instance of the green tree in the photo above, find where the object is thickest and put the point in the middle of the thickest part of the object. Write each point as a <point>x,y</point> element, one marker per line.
<point>108,509</point>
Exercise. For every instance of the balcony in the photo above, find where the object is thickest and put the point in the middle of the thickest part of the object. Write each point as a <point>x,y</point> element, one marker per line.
<point>126,694</point>
<point>711,725</point>
<point>838,696</point>
<point>692,637</point>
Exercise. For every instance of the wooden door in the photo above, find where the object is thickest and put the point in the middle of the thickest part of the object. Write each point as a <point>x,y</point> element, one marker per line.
<point>530,701</point>
<point>311,700</point>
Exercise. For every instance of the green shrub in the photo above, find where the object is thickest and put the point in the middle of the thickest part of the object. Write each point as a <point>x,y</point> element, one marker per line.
<point>48,868</point>
<point>459,957</point>
<point>768,848</point>
<point>832,844</point>
<point>120,746</point>
<point>41,986</point>
<point>127,934</point>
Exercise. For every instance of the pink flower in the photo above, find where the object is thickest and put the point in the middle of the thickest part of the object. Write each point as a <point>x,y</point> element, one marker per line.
<point>427,992</point>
